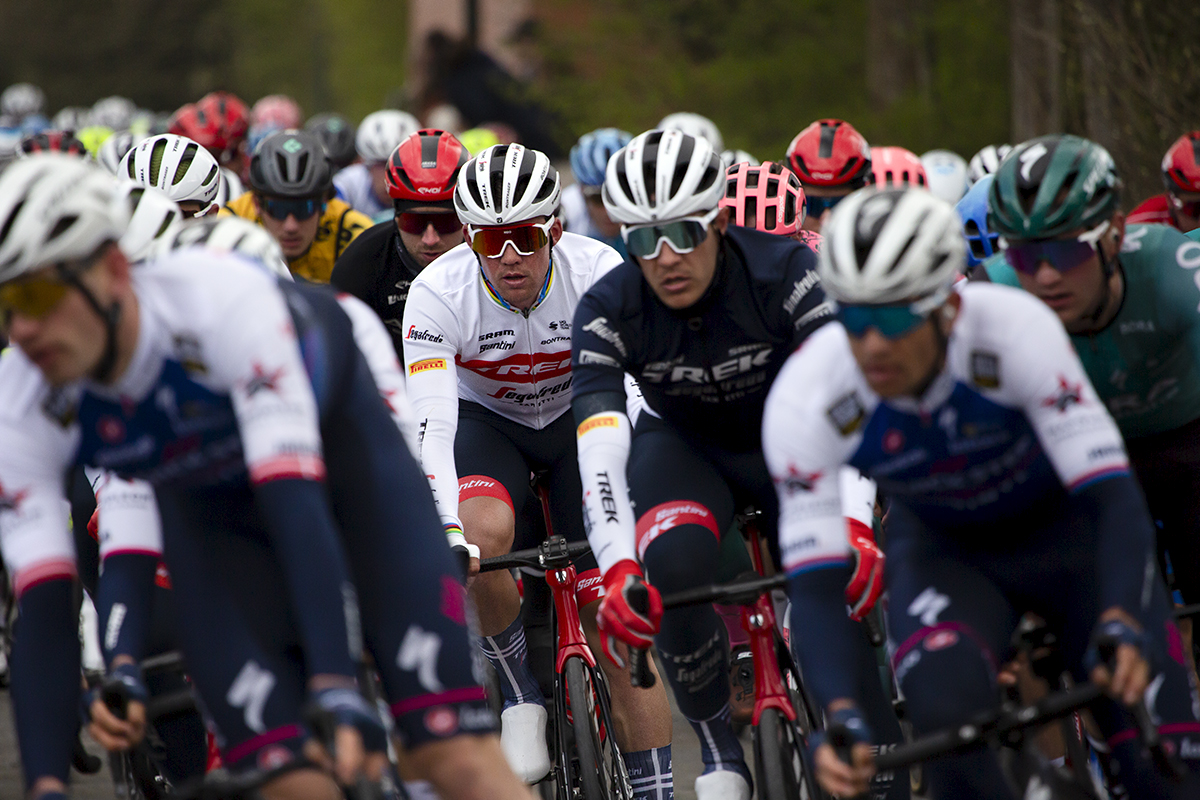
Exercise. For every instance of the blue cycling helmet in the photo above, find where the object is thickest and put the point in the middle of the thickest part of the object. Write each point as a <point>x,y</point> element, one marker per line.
<point>589,156</point>
<point>973,210</point>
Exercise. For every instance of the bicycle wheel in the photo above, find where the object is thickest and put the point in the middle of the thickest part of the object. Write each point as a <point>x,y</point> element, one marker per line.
<point>601,771</point>
<point>778,762</point>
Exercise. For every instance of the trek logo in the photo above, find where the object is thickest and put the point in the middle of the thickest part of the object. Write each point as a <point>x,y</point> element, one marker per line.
<point>522,367</point>
<point>666,373</point>
<point>422,336</point>
<point>607,501</point>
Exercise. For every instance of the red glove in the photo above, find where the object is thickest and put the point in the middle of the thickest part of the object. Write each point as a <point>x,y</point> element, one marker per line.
<point>866,584</point>
<point>616,619</point>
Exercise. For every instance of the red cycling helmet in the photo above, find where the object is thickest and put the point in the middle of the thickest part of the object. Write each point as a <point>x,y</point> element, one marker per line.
<point>424,168</point>
<point>219,122</point>
<point>767,197</point>
<point>277,110</point>
<point>896,166</point>
<point>54,142</point>
<point>1181,164</point>
<point>830,152</point>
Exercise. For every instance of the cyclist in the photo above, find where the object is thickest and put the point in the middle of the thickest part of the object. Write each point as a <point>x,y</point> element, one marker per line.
<point>1010,492</point>
<point>148,215</point>
<point>831,159</point>
<point>732,157</point>
<point>277,110</point>
<point>380,265</point>
<point>583,211</point>
<point>19,101</point>
<point>53,142</point>
<point>1179,206</point>
<point>337,134</point>
<point>693,124</point>
<point>290,186</point>
<point>982,241</point>
<point>218,121</point>
<point>1127,294</point>
<point>702,316</point>
<point>987,160</point>
<point>947,174</point>
<point>364,185</point>
<point>114,113</point>
<point>183,169</point>
<point>896,166</point>
<point>489,374</point>
<point>114,149</point>
<point>255,459</point>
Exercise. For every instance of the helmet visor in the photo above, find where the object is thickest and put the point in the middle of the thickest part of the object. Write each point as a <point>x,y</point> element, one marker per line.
<point>681,235</point>
<point>525,239</point>
<point>892,321</point>
<point>1061,254</point>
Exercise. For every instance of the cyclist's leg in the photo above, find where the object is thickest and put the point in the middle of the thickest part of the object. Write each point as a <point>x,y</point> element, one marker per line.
<point>683,508</point>
<point>641,716</point>
<point>950,624</point>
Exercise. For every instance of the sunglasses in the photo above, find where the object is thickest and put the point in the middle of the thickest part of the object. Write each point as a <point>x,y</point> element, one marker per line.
<point>33,297</point>
<point>525,239</point>
<point>681,235</point>
<point>1189,208</point>
<point>282,208</point>
<point>892,321</point>
<point>1061,254</point>
<point>819,205</point>
<point>416,224</point>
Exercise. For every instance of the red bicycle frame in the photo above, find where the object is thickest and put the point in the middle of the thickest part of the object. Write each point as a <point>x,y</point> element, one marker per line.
<point>758,620</point>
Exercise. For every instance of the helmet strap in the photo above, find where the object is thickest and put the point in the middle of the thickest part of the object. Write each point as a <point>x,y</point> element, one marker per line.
<point>110,316</point>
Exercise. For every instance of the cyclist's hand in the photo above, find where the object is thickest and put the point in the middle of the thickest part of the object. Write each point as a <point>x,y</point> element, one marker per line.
<point>1127,682</point>
<point>841,779</point>
<point>358,730</point>
<point>113,733</point>
<point>616,618</point>
<point>866,582</point>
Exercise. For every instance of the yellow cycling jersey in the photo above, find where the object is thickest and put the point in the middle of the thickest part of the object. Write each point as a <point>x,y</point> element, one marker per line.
<point>339,226</point>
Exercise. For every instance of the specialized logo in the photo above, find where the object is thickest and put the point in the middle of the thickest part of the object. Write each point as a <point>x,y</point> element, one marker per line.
<point>668,372</point>
<point>847,413</point>
<point>261,380</point>
<point>1068,395</point>
<point>426,364</point>
<point>419,653</point>
<point>522,367</point>
<point>598,421</point>
<point>985,369</point>
<point>928,605</point>
<point>1029,158</point>
<point>422,336</point>
<point>250,691</point>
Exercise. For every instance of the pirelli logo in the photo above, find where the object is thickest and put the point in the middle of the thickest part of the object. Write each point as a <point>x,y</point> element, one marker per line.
<point>426,365</point>
<point>591,423</point>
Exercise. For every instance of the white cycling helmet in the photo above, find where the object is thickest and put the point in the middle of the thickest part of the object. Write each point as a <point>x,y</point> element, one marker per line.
<point>230,234</point>
<point>382,132</point>
<point>987,160</point>
<point>71,118</point>
<point>150,215</point>
<point>731,157</point>
<point>177,165</point>
<point>694,125</point>
<point>892,246</point>
<point>21,100</point>
<point>54,208</point>
<point>660,176</point>
<point>114,112</point>
<point>231,187</point>
<point>113,149</point>
<point>504,184</point>
<point>946,172</point>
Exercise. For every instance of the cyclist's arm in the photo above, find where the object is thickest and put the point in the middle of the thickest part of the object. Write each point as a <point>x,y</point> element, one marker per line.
<point>256,358</point>
<point>1085,447</point>
<point>1178,292</point>
<point>603,431</point>
<point>130,534</point>
<point>433,391</point>
<point>802,298</point>
<point>805,454</point>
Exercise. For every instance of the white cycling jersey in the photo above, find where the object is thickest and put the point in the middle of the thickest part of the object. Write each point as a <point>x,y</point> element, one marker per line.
<point>1011,419</point>
<point>462,340</point>
<point>353,184</point>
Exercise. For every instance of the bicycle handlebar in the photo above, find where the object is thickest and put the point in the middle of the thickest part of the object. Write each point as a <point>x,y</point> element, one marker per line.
<point>554,553</point>
<point>739,592</point>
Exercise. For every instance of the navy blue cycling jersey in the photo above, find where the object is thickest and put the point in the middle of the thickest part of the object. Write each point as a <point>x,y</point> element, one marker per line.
<point>704,369</point>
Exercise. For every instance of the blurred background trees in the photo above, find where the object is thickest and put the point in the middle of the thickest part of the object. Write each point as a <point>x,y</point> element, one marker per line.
<point>918,73</point>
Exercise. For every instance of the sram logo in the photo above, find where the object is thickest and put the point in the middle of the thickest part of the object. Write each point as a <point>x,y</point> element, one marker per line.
<point>726,369</point>
<point>522,367</point>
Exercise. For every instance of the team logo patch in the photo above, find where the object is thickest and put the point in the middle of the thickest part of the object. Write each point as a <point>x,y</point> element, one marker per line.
<point>110,429</point>
<point>426,365</point>
<point>1068,395</point>
<point>60,407</point>
<point>605,421</point>
<point>262,380</point>
<point>847,413</point>
<point>797,481</point>
<point>441,721</point>
<point>893,441</point>
<point>985,369</point>
<point>940,640</point>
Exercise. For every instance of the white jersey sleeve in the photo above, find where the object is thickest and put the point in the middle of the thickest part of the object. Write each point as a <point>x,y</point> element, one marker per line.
<point>429,354</point>
<point>128,518</point>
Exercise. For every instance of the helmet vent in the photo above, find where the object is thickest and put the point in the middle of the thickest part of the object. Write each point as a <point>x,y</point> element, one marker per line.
<point>62,226</point>
<point>681,163</point>
<point>301,167</point>
<point>751,211</point>
<point>156,156</point>
<point>828,134</point>
<point>185,163</point>
<point>752,179</point>
<point>12,218</point>
<point>771,217</point>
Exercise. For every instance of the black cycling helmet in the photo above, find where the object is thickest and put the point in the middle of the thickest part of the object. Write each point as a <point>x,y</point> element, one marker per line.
<point>290,163</point>
<point>337,134</point>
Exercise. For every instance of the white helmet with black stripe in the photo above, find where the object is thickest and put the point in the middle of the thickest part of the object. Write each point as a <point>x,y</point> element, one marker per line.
<point>54,208</point>
<point>892,246</point>
<point>175,164</point>
<point>151,216</point>
<point>661,176</point>
<point>505,184</point>
<point>696,125</point>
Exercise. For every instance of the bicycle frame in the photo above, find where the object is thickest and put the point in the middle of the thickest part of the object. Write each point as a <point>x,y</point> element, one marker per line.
<point>570,638</point>
<point>758,620</point>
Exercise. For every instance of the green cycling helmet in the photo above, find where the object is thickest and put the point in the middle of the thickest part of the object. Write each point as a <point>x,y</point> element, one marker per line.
<point>1051,186</point>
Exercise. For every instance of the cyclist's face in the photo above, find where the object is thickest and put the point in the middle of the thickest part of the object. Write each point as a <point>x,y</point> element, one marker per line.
<point>1074,294</point>
<point>1185,208</point>
<point>295,236</point>
<point>517,278</point>
<point>429,244</point>
<point>680,279</point>
<point>903,367</point>
<point>599,215</point>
